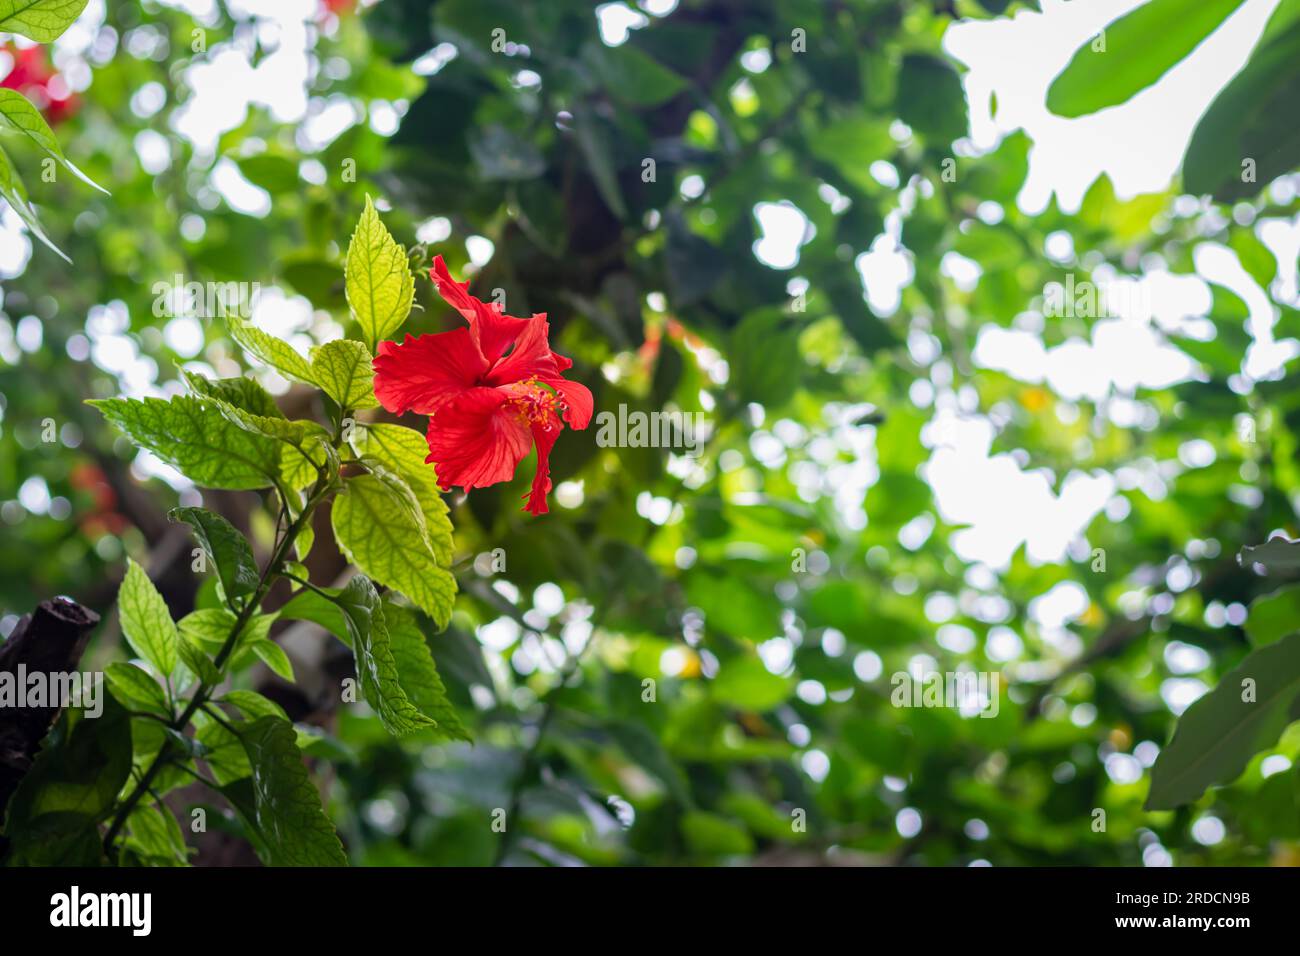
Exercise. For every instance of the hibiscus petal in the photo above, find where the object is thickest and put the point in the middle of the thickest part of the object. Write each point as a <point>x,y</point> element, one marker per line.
<point>578,403</point>
<point>493,330</point>
<point>477,439</point>
<point>544,434</point>
<point>532,356</point>
<point>423,373</point>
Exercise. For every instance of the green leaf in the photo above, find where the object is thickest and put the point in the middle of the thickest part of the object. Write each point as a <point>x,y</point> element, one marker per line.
<point>245,403</point>
<point>41,20</point>
<point>276,174</point>
<point>342,369</point>
<point>1274,616</point>
<point>135,688</point>
<point>19,113</point>
<point>197,440</point>
<point>1275,554</point>
<point>848,141</point>
<point>744,682</point>
<point>281,356</point>
<point>628,74</point>
<point>930,98</point>
<point>402,451</point>
<point>379,529</point>
<point>376,666</point>
<point>61,838</point>
<point>711,835</point>
<point>1140,47</point>
<point>156,837</point>
<point>147,740</point>
<point>225,755</point>
<point>146,622</point>
<point>310,606</point>
<point>1219,734</point>
<point>241,392</point>
<point>273,656</point>
<point>199,664</point>
<point>80,769</point>
<point>298,466</point>
<point>380,286</point>
<point>11,188</point>
<point>208,628</point>
<point>418,674</point>
<point>762,347</point>
<point>288,810</point>
<point>206,631</point>
<point>254,705</point>
<point>1245,120</point>
<point>225,546</point>
<point>314,742</point>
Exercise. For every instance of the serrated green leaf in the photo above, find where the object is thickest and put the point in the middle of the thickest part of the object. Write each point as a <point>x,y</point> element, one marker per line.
<point>246,404</point>
<point>1141,46</point>
<point>298,465</point>
<point>136,688</point>
<point>194,437</point>
<point>17,111</point>
<point>146,622</point>
<point>417,672</point>
<point>343,371</point>
<point>226,548</point>
<point>240,391</point>
<point>288,809</point>
<point>1219,734</point>
<point>380,286</point>
<point>403,450</point>
<point>376,667</point>
<point>281,356</point>
<point>41,20</point>
<point>379,530</point>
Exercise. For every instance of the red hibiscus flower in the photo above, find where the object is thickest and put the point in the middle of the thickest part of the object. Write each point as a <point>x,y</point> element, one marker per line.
<point>492,391</point>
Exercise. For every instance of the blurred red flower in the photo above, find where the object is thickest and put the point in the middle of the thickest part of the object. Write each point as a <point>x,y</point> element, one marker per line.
<point>34,77</point>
